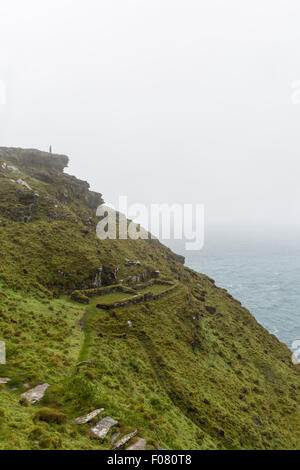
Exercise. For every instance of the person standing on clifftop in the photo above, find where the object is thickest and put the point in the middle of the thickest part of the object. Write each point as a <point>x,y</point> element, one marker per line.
<point>50,149</point>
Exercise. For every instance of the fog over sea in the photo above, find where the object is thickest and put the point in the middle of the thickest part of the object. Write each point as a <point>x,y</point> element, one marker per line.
<point>266,279</point>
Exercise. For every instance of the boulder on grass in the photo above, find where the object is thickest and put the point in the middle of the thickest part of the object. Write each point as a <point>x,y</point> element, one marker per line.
<point>140,444</point>
<point>4,380</point>
<point>35,394</point>
<point>102,427</point>
<point>86,418</point>
<point>124,439</point>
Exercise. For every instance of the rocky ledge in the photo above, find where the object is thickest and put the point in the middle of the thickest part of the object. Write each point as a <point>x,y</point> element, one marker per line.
<point>32,159</point>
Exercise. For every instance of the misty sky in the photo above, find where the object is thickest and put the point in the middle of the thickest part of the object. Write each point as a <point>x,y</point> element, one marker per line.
<point>172,101</point>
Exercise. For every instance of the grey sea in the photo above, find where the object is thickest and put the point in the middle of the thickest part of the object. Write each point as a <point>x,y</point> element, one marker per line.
<point>267,282</point>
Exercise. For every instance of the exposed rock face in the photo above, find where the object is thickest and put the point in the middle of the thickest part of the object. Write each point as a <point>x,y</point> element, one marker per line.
<point>46,167</point>
<point>110,274</point>
<point>35,394</point>
<point>140,444</point>
<point>31,158</point>
<point>102,428</point>
<point>121,442</point>
<point>179,258</point>
<point>156,274</point>
<point>98,278</point>
<point>87,418</point>
<point>70,188</point>
<point>10,168</point>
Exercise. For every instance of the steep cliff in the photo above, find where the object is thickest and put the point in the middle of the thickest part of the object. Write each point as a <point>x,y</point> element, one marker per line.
<point>188,366</point>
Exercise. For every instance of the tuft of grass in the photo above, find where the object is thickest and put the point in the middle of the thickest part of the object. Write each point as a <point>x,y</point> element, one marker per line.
<point>49,415</point>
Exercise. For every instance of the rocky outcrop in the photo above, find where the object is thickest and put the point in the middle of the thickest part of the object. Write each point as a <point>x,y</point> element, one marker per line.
<point>110,274</point>
<point>32,159</point>
<point>70,188</point>
<point>102,428</point>
<point>35,394</point>
<point>87,418</point>
<point>98,278</point>
<point>10,168</point>
<point>48,167</point>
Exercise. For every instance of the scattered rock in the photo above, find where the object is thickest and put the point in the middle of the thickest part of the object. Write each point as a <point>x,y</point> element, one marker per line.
<point>156,274</point>
<point>86,418</point>
<point>125,439</point>
<point>4,380</point>
<point>23,183</point>
<point>114,437</point>
<point>35,394</point>
<point>102,428</point>
<point>2,353</point>
<point>140,444</point>
<point>129,262</point>
<point>10,168</point>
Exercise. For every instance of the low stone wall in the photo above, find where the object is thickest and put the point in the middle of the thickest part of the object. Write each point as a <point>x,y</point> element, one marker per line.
<point>83,296</point>
<point>152,282</point>
<point>137,299</point>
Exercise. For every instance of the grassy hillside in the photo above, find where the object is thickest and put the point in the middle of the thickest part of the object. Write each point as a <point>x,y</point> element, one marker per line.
<point>190,370</point>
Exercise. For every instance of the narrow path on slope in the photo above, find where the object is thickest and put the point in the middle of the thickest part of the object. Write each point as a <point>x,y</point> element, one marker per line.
<point>158,369</point>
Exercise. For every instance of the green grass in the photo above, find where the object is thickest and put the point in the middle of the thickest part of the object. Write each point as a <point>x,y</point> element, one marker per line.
<point>186,376</point>
<point>155,289</point>
<point>41,335</point>
<point>109,299</point>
